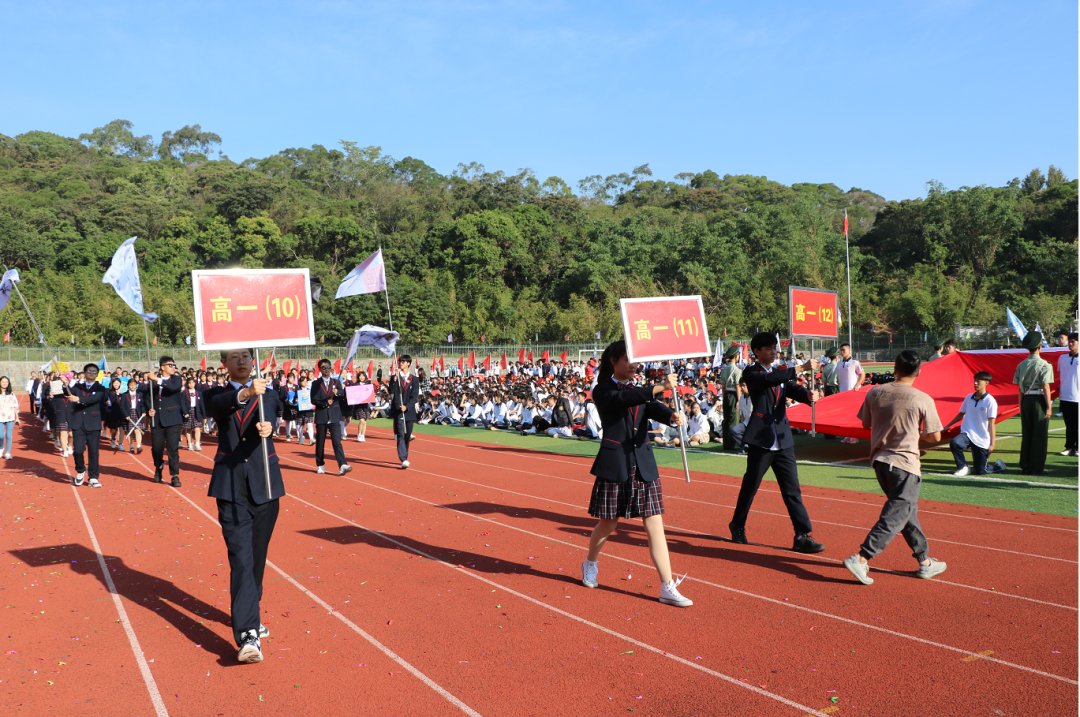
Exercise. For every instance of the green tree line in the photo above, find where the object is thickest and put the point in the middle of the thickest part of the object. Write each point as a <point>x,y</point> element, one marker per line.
<point>510,257</point>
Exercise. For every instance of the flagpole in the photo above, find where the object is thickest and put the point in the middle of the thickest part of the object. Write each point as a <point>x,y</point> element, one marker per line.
<point>150,364</point>
<point>847,252</point>
<point>262,441</point>
<point>33,321</point>
<point>682,432</point>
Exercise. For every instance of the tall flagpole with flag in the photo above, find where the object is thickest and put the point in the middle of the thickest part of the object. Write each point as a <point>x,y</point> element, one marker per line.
<point>123,276</point>
<point>9,282</point>
<point>847,251</point>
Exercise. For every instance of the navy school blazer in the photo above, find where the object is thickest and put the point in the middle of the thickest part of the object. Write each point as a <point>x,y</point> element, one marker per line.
<point>239,456</point>
<point>625,417</point>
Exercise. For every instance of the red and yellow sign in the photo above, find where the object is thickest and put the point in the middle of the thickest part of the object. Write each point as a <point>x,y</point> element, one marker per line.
<point>813,313</point>
<point>252,307</point>
<point>659,329</point>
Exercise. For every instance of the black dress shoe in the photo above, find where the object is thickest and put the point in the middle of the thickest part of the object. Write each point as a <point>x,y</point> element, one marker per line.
<point>176,484</point>
<point>157,475</point>
<point>806,544</point>
<point>738,535</point>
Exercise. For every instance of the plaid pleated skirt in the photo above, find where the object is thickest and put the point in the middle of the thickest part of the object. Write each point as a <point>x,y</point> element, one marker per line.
<point>633,499</point>
<point>191,423</point>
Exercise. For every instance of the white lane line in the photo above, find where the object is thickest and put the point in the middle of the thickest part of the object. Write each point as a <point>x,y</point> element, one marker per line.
<point>711,535</point>
<point>564,613</point>
<point>140,659</point>
<point>441,691</point>
<point>704,582</point>
<point>529,456</point>
<point>862,528</point>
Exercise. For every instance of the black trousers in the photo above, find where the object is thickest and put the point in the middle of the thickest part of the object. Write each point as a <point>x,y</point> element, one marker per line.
<point>246,527</point>
<point>162,438</point>
<point>89,441</point>
<point>758,460</point>
<point>1068,412</point>
<point>403,432</point>
<point>335,440</point>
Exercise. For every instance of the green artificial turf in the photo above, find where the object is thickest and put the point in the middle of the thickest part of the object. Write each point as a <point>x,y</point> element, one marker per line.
<point>857,476</point>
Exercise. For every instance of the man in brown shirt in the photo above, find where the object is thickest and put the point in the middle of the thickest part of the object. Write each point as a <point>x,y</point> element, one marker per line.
<point>898,416</point>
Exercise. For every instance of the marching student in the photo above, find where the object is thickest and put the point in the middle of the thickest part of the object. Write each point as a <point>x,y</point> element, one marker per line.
<point>166,418</point>
<point>769,441</point>
<point>977,431</point>
<point>86,404</point>
<point>246,513</point>
<point>135,410</point>
<point>326,395</point>
<point>849,376</point>
<point>194,408</point>
<point>627,480</point>
<point>305,419</point>
<point>898,416</point>
<point>115,420</point>
<point>9,416</point>
<point>404,395</point>
<point>1033,378</point>
<point>730,377</point>
<point>1070,392</point>
<point>362,411</point>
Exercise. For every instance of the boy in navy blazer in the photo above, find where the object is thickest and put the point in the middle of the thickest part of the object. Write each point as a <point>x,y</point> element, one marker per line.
<point>327,393</point>
<point>769,442</point>
<point>166,418</point>
<point>85,424</point>
<point>404,395</point>
<point>246,513</point>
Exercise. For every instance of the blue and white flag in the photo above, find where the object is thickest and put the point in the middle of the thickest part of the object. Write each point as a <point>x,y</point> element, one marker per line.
<point>367,278</point>
<point>188,341</point>
<point>123,274</point>
<point>597,335</point>
<point>1039,329</point>
<point>103,364</point>
<point>7,285</point>
<point>368,335</point>
<point>121,341</point>
<point>1014,324</point>
<point>718,355</point>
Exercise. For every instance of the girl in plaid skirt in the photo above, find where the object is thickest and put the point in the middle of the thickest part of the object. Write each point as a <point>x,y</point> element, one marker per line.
<point>627,480</point>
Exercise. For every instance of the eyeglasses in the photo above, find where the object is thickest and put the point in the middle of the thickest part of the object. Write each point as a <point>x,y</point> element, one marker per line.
<point>170,365</point>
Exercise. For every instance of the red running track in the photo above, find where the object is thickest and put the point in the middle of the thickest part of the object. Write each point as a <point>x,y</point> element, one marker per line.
<point>454,587</point>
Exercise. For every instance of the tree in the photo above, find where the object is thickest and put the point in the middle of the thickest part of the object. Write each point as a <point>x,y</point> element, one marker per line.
<point>116,138</point>
<point>188,140</point>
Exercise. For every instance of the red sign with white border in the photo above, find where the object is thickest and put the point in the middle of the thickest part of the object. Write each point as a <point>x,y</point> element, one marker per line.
<point>661,329</point>
<point>252,307</point>
<point>813,313</point>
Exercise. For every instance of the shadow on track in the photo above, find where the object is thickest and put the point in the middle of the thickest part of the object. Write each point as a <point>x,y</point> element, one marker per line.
<point>158,596</point>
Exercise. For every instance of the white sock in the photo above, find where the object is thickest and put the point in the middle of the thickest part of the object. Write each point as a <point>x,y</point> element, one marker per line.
<point>591,563</point>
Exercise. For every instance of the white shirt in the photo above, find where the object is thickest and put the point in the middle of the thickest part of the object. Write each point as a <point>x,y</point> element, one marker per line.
<point>847,373</point>
<point>698,424</point>
<point>1070,387</point>
<point>592,419</point>
<point>977,417</point>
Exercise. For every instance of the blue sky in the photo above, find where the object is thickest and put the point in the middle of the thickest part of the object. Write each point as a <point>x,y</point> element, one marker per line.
<point>883,96</point>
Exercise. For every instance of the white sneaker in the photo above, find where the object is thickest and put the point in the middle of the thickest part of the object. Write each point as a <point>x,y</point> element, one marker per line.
<point>320,469</point>
<point>250,650</point>
<point>7,456</point>
<point>344,469</point>
<point>94,483</point>
<point>288,439</point>
<point>669,594</point>
<point>859,569</point>
<point>404,464</point>
<point>361,439</point>
<point>198,446</point>
<point>79,478</point>
<point>962,472</point>
<point>112,444</point>
<point>589,573</point>
<point>264,631</point>
<point>1066,452</point>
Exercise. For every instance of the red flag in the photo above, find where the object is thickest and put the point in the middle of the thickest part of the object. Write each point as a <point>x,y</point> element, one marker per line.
<point>725,333</point>
<point>472,360</point>
<point>487,363</point>
<point>155,340</point>
<point>890,339</point>
<point>273,359</point>
<point>7,337</point>
<point>434,361</point>
<point>530,357</point>
<point>562,357</point>
<point>482,337</point>
<point>521,356</point>
<point>461,364</point>
<point>442,364</point>
<point>264,364</point>
<point>502,362</point>
<point>337,367</point>
<point>544,356</point>
<point>566,337</point>
<point>370,369</point>
<point>845,223</point>
<point>202,364</point>
<point>350,368</point>
<point>287,367</point>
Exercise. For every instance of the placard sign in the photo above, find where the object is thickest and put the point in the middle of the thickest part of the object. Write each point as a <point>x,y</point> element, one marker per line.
<point>360,393</point>
<point>252,307</point>
<point>660,329</point>
<point>813,313</point>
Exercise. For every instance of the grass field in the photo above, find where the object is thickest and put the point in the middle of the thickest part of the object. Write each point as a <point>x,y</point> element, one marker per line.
<point>1054,492</point>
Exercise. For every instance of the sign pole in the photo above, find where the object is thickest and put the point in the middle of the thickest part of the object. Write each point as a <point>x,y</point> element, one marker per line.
<point>150,364</point>
<point>682,428</point>
<point>262,441</point>
<point>813,386</point>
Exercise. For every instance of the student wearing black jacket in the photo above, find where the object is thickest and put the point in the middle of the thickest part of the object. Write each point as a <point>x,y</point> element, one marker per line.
<point>769,442</point>
<point>86,402</point>
<point>194,407</point>
<point>327,393</point>
<point>166,418</point>
<point>404,395</point>
<point>627,481</point>
<point>246,513</point>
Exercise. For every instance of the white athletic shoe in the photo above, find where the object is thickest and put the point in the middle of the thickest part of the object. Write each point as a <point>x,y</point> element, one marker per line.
<point>112,444</point>
<point>250,650</point>
<point>94,483</point>
<point>264,632</point>
<point>79,478</point>
<point>7,456</point>
<point>344,469</point>
<point>589,573</point>
<point>859,569</point>
<point>962,472</point>
<point>198,446</point>
<point>404,464</point>
<point>361,439</point>
<point>320,469</point>
<point>1067,452</point>
<point>669,594</point>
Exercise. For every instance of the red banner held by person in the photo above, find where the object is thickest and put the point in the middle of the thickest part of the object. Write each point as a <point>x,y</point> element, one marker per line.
<point>252,307</point>
<point>521,356</point>
<point>663,328</point>
<point>813,313</point>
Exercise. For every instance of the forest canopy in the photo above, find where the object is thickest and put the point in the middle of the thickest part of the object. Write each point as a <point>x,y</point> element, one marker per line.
<point>510,257</point>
